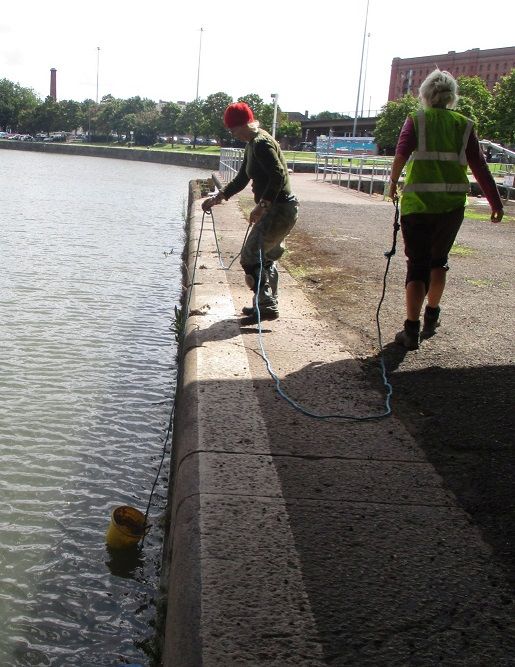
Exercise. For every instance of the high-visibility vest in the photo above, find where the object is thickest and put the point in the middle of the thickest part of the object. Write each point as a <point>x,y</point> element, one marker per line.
<point>436,173</point>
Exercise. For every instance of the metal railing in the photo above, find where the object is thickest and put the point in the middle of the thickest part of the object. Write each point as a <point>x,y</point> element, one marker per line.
<point>346,169</point>
<point>230,162</point>
<point>367,170</point>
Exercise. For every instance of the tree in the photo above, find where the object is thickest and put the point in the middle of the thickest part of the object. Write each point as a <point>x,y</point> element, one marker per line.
<point>86,108</point>
<point>266,118</point>
<point>503,109</point>
<point>391,119</point>
<point>46,116</point>
<point>290,131</point>
<point>191,120</point>
<point>475,95</point>
<point>69,114</point>
<point>213,109</point>
<point>329,115</point>
<point>146,127</point>
<point>170,113</point>
<point>254,102</point>
<point>109,116</point>
<point>13,100</point>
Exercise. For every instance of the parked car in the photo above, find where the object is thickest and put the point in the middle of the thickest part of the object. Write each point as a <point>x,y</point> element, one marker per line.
<point>305,146</point>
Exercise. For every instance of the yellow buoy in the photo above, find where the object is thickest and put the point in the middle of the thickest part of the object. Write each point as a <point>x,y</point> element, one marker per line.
<point>126,529</point>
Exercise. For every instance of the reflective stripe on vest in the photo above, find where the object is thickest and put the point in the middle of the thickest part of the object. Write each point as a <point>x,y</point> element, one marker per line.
<point>436,187</point>
<point>466,137</point>
<point>435,155</point>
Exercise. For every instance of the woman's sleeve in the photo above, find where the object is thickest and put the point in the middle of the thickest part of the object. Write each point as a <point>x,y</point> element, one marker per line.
<point>407,141</point>
<point>479,167</point>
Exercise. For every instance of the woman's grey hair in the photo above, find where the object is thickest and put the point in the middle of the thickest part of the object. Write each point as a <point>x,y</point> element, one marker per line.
<point>439,89</point>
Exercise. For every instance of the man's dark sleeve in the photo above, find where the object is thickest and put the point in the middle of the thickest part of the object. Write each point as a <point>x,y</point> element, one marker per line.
<point>239,182</point>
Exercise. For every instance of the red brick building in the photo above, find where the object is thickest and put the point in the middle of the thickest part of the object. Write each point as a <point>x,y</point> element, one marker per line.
<point>489,64</point>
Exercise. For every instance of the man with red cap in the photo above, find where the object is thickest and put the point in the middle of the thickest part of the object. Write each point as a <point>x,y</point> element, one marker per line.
<point>275,212</point>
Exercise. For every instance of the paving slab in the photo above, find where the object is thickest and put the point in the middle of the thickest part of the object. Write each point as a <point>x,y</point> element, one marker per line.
<point>298,541</point>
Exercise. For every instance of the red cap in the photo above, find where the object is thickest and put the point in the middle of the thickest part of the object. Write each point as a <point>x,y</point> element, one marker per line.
<point>238,114</point>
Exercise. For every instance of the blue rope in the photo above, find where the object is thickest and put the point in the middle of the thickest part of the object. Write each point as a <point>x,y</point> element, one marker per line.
<point>297,406</point>
<point>388,387</point>
<point>225,268</point>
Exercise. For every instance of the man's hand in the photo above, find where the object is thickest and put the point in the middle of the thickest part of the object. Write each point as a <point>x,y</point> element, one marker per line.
<point>256,214</point>
<point>208,203</point>
<point>262,207</point>
<point>497,215</point>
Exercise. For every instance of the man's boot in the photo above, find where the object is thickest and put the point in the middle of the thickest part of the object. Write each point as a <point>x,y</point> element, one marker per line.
<point>409,337</point>
<point>431,321</point>
<point>267,298</point>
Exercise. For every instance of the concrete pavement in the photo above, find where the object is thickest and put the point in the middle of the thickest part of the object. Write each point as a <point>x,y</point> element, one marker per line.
<point>296,541</point>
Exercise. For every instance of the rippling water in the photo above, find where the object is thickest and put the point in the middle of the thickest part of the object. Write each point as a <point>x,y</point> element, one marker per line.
<point>87,288</point>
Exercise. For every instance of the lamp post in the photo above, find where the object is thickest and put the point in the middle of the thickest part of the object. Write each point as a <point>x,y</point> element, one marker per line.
<point>275,97</point>
<point>98,65</point>
<point>199,52</point>
<point>360,72</point>
<point>365,76</point>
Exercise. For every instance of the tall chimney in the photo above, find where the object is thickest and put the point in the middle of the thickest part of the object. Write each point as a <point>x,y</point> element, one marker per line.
<point>53,84</point>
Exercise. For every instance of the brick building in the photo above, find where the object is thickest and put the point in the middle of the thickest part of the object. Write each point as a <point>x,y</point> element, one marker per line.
<point>489,64</point>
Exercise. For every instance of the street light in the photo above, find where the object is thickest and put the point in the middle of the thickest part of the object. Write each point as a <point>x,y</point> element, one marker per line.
<point>365,75</point>
<point>199,52</point>
<point>275,97</point>
<point>360,72</point>
<point>98,65</point>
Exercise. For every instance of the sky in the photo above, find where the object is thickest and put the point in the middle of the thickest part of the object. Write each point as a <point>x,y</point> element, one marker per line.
<point>309,54</point>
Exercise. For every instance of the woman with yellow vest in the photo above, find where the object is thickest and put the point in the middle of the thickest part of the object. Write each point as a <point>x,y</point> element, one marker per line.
<point>439,144</point>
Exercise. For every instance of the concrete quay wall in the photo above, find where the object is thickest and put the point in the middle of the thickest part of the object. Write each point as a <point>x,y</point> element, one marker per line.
<point>185,159</point>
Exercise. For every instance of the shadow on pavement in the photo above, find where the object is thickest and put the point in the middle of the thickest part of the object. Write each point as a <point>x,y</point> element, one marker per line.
<point>384,579</point>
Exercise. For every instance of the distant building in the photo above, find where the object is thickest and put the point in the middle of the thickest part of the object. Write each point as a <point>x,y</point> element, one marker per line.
<point>295,116</point>
<point>489,64</point>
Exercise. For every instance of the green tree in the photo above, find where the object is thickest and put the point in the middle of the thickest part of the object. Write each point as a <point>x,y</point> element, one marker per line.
<point>69,114</point>
<point>329,115</point>
<point>146,127</point>
<point>466,107</point>
<point>192,121</point>
<point>213,109</point>
<point>291,131</point>
<point>14,99</point>
<point>255,103</point>
<point>129,122</point>
<point>109,115</point>
<point>87,109</point>
<point>170,113</point>
<point>503,109</point>
<point>475,95</point>
<point>266,118</point>
<point>391,119</point>
<point>46,116</point>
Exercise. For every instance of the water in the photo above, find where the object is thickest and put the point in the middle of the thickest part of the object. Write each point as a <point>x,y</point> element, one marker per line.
<point>90,270</point>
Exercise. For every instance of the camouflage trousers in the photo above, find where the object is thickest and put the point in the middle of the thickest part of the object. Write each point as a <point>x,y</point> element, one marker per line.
<point>265,245</point>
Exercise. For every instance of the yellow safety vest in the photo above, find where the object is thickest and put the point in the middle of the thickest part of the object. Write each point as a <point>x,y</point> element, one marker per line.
<point>436,174</point>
